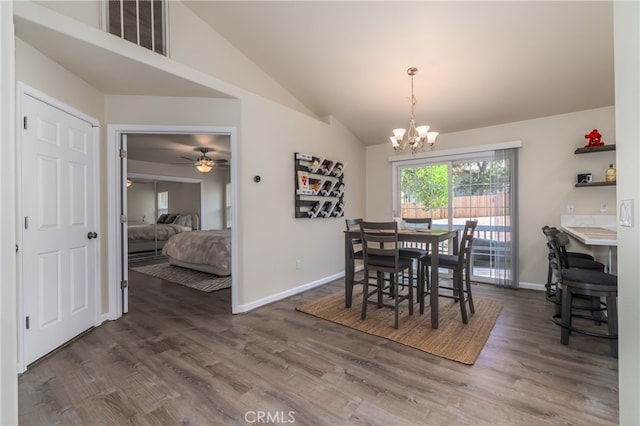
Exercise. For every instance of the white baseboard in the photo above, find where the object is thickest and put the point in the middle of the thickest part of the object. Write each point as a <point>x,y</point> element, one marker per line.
<point>293,291</point>
<point>531,286</point>
<point>308,286</point>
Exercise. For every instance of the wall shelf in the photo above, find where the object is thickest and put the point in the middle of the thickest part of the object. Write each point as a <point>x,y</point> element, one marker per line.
<point>601,148</point>
<point>319,187</point>
<point>580,185</point>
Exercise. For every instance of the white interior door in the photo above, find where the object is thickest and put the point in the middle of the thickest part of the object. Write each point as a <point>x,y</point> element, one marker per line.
<point>59,246</point>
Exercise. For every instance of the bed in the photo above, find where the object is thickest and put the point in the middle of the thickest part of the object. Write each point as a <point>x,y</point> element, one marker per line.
<point>149,237</point>
<point>207,251</point>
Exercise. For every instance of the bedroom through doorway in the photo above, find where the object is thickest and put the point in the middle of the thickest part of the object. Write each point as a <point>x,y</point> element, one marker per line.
<point>168,202</point>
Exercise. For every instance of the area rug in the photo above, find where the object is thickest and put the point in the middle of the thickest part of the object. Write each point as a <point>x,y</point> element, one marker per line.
<point>452,340</point>
<point>187,277</point>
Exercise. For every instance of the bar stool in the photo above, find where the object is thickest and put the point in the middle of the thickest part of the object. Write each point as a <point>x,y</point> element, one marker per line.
<point>591,284</point>
<point>354,252</point>
<point>567,260</point>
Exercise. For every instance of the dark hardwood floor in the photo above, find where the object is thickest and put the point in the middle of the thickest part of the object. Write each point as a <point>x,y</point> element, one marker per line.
<point>180,357</point>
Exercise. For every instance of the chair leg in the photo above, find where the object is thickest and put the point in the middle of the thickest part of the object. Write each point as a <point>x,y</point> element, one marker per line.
<point>457,284</point>
<point>567,300</point>
<point>421,286</point>
<point>365,295</point>
<point>396,300</point>
<point>472,309</point>
<point>410,291</point>
<point>380,288</point>
<point>612,321</point>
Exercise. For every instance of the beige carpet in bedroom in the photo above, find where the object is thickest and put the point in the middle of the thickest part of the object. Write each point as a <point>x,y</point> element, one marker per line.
<point>187,277</point>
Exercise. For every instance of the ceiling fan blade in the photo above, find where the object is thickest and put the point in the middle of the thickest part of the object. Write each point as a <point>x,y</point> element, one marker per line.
<point>187,158</point>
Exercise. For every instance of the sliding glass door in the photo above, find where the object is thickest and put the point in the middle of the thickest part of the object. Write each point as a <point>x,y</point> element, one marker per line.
<point>454,189</point>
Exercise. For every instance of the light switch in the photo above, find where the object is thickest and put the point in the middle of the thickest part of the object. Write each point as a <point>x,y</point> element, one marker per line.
<point>626,213</point>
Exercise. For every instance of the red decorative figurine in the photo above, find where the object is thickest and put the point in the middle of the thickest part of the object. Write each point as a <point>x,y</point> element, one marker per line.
<point>594,139</point>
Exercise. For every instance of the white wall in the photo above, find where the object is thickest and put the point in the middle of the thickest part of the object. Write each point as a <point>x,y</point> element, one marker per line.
<point>184,198</point>
<point>8,319</point>
<point>141,202</point>
<point>272,239</point>
<point>627,77</point>
<point>213,187</point>
<point>194,43</point>
<point>547,174</point>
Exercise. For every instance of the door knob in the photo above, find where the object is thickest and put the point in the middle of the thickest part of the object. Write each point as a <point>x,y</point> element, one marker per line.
<point>91,235</point>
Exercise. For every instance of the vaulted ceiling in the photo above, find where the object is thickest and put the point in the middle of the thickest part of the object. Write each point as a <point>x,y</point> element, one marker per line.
<point>480,63</point>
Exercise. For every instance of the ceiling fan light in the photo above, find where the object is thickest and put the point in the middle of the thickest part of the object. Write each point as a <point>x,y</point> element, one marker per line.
<point>203,167</point>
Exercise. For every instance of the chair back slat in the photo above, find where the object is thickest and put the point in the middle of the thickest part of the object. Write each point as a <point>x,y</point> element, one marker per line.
<point>353,225</point>
<point>380,239</point>
<point>466,242</point>
<point>417,223</point>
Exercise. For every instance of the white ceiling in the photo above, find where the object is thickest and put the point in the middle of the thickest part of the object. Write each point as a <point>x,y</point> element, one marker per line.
<point>480,63</point>
<point>178,149</point>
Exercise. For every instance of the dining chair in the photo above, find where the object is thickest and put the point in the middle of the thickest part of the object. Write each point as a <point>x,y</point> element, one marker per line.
<point>460,264</point>
<point>589,284</point>
<point>415,250</point>
<point>355,253</point>
<point>381,251</point>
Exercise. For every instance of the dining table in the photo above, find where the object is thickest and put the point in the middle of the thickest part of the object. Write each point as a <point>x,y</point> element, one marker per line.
<point>430,237</point>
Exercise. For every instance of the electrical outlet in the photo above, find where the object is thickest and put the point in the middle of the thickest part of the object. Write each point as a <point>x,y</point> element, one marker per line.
<point>298,264</point>
<point>604,207</point>
<point>570,208</point>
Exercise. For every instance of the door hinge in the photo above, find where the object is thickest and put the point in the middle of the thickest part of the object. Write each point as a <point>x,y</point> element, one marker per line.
<point>24,122</point>
<point>123,153</point>
<point>124,284</point>
<point>16,248</point>
<point>123,218</point>
<point>26,222</point>
<point>27,322</point>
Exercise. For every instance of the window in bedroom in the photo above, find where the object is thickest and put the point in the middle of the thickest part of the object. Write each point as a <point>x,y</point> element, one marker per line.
<point>163,202</point>
<point>139,21</point>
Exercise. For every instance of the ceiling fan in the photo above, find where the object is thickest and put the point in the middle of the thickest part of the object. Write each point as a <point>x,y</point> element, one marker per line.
<point>204,163</point>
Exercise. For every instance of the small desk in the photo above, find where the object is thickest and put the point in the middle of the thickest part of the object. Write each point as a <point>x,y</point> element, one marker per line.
<point>432,237</point>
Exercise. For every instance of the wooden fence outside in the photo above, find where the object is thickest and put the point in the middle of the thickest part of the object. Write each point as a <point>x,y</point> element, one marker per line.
<point>467,206</point>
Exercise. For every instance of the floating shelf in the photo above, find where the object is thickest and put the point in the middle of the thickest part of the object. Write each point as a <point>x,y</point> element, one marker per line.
<point>601,148</point>
<point>580,185</point>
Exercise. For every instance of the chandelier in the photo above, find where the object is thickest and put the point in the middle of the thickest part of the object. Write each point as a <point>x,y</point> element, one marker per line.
<point>203,163</point>
<point>416,136</point>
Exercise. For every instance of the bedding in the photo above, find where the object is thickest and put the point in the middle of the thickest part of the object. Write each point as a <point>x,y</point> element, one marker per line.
<point>207,251</point>
<point>152,237</point>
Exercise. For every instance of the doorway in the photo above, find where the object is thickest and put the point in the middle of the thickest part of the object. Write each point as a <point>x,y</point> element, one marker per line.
<point>117,172</point>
